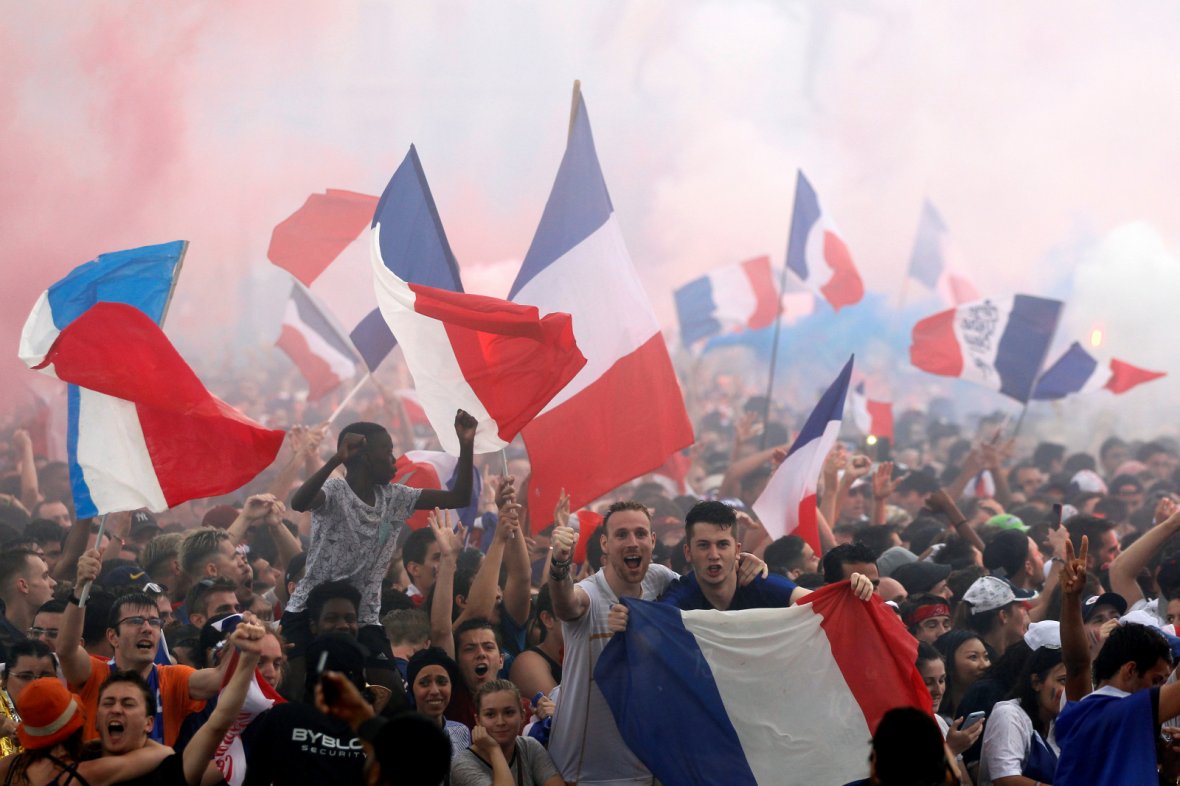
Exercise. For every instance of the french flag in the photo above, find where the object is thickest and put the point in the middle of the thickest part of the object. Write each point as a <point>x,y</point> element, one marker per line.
<point>1077,371</point>
<point>999,343</point>
<point>728,299</point>
<point>230,755</point>
<point>934,260</point>
<point>817,254</point>
<point>762,697</point>
<point>145,431</point>
<point>788,503</point>
<point>873,418</point>
<point>625,407</point>
<point>308,337</point>
<point>499,361</point>
<point>433,469</point>
<point>325,246</point>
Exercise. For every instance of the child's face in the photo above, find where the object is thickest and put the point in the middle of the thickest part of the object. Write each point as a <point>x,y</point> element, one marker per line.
<point>379,450</point>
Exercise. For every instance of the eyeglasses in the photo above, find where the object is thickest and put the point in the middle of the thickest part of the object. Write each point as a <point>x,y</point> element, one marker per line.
<point>29,676</point>
<point>49,633</point>
<point>137,621</point>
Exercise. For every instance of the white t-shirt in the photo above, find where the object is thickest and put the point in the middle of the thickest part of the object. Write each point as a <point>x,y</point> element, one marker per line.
<point>585,743</point>
<point>353,542</point>
<point>1007,739</point>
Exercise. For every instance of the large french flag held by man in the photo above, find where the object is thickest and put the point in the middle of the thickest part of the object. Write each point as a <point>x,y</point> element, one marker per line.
<point>731,298</point>
<point>625,407</point>
<point>500,361</point>
<point>1077,371</point>
<point>762,697</point>
<point>1000,343</point>
<point>319,245</point>
<point>817,254</point>
<point>788,503</point>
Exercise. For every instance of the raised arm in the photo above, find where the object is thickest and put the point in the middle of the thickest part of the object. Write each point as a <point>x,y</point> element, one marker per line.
<point>247,640</point>
<point>252,514</point>
<point>941,502</point>
<point>569,602</point>
<point>460,495</point>
<point>481,597</point>
<point>310,495</point>
<point>519,579</point>
<point>30,490</point>
<point>1127,565</point>
<point>883,487</point>
<point>76,541</point>
<point>449,546</point>
<point>75,661</point>
<point>1075,649</point>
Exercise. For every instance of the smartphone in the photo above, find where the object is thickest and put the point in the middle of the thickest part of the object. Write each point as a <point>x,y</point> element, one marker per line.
<point>973,719</point>
<point>1057,510</point>
<point>329,688</point>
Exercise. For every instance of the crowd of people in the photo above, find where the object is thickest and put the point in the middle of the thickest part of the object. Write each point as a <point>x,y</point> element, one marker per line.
<point>303,632</point>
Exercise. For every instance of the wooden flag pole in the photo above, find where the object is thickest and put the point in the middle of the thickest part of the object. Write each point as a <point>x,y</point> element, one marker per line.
<point>778,326</point>
<point>344,403</point>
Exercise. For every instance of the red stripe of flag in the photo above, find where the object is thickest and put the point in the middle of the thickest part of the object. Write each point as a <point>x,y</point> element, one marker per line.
<point>311,238</point>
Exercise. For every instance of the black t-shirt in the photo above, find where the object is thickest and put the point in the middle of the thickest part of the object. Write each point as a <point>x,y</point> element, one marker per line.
<point>296,744</point>
<point>170,772</point>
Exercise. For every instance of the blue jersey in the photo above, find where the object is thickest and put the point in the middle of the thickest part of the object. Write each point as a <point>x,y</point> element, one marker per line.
<point>1109,738</point>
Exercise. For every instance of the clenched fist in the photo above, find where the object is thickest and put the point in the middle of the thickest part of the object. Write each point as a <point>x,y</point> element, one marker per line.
<point>562,542</point>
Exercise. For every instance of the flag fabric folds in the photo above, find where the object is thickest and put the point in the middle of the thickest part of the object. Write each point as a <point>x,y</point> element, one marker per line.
<point>318,244</point>
<point>308,337</point>
<point>147,433</point>
<point>142,277</point>
<point>934,259</point>
<point>788,503</point>
<point>499,361</point>
<point>873,418</point>
<point>766,696</point>
<point>230,754</point>
<point>817,254</point>
<point>996,342</point>
<point>625,407</point>
<point>728,299</point>
<point>1077,371</point>
<point>433,469</point>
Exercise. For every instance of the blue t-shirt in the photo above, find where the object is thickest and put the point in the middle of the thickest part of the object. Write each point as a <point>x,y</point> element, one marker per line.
<point>771,592</point>
<point>1108,738</point>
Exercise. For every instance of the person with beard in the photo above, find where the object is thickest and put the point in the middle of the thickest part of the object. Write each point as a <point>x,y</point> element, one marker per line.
<point>356,522</point>
<point>133,631</point>
<point>127,712</point>
<point>586,745</point>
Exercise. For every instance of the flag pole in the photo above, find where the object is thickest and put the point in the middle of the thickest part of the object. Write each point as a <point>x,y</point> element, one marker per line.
<point>574,101</point>
<point>778,323</point>
<point>84,595</point>
<point>340,407</point>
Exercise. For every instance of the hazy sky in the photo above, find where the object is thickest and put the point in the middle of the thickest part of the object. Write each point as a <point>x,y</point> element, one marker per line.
<point>1044,132</point>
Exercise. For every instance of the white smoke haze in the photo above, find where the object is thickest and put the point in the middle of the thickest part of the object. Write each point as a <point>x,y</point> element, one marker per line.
<point>140,122</point>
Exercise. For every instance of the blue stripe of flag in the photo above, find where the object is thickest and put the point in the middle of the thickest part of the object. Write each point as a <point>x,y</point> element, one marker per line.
<point>578,204</point>
<point>829,408</point>
<point>1068,375</point>
<point>1026,339</point>
<point>803,218</point>
<point>695,307</point>
<point>661,690</point>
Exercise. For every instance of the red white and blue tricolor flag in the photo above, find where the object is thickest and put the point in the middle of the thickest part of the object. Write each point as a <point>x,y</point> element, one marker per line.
<point>1077,371</point>
<point>321,244</point>
<point>433,469</point>
<point>500,361</point>
<point>625,408</point>
<point>762,697</point>
<point>145,433</point>
<point>308,337</point>
<point>788,503</point>
<point>873,418</point>
<point>817,254</point>
<point>727,299</point>
<point>1000,343</point>
<point>934,260</point>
